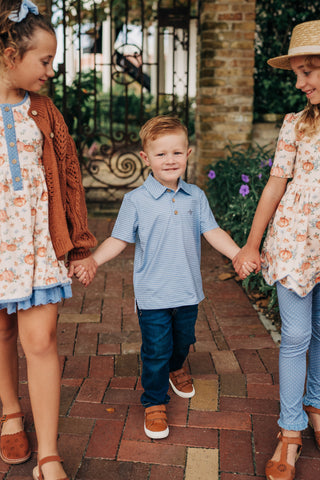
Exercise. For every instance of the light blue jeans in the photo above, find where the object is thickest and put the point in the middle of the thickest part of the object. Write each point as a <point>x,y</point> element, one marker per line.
<point>300,332</point>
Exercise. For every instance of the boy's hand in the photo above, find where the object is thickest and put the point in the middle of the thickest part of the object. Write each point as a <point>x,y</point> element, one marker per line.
<point>246,269</point>
<point>84,269</point>
<point>248,256</point>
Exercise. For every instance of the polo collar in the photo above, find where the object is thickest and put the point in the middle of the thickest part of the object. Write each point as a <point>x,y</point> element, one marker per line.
<point>156,189</point>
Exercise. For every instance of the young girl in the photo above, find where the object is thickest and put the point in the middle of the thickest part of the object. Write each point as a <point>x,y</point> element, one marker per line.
<point>42,218</point>
<point>291,251</point>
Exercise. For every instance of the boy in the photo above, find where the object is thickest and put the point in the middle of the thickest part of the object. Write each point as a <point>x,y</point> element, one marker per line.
<point>165,218</point>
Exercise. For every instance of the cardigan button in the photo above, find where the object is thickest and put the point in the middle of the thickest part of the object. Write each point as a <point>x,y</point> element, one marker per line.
<point>34,112</point>
<point>51,134</point>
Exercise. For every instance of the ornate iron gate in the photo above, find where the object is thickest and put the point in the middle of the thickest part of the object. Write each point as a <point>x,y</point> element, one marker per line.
<point>122,62</point>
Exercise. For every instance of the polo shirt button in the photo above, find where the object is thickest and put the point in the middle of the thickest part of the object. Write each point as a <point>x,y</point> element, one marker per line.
<point>9,125</point>
<point>17,179</point>
<point>12,144</point>
<point>34,112</point>
<point>176,212</point>
<point>6,109</point>
<point>14,161</point>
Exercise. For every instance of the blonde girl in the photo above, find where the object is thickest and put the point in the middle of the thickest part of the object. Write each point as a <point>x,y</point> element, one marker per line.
<point>291,252</point>
<point>42,219</point>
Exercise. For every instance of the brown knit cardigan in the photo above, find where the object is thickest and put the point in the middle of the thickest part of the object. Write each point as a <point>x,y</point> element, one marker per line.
<point>68,222</point>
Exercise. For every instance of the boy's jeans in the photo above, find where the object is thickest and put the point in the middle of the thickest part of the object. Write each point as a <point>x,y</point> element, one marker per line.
<point>166,337</point>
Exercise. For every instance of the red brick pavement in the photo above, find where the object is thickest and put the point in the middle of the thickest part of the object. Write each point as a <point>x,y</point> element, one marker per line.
<point>233,363</point>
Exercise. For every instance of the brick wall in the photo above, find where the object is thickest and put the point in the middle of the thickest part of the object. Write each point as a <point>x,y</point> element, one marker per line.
<point>225,78</point>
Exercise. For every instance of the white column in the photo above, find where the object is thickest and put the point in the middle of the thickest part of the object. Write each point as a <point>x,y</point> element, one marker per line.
<point>193,58</point>
<point>107,48</point>
<point>71,60</point>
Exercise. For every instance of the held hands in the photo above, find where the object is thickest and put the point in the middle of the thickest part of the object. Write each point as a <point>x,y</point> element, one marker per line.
<point>84,269</point>
<point>247,261</point>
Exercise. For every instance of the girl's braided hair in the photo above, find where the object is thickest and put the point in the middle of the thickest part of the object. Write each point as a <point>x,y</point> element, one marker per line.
<point>18,35</point>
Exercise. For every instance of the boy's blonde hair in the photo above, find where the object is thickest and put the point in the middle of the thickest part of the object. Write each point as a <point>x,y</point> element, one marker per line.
<point>158,126</point>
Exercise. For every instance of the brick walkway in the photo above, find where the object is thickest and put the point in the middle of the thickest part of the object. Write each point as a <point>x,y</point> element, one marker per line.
<point>226,432</point>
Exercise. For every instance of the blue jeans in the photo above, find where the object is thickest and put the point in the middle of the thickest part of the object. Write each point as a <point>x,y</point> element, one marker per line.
<point>166,338</point>
<point>300,332</point>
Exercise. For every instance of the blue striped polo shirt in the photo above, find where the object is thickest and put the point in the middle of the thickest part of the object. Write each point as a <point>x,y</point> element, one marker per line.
<point>166,227</point>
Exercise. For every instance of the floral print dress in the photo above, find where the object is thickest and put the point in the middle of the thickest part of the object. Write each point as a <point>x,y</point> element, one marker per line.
<point>30,273</point>
<point>291,250</point>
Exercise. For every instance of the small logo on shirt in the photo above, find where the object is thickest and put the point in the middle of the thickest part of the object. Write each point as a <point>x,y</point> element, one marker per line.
<point>190,211</point>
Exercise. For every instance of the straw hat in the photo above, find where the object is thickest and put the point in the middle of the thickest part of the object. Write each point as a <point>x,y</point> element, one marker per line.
<point>305,40</point>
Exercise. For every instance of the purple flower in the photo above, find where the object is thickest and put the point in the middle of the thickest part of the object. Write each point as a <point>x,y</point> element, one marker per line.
<point>270,162</point>
<point>244,190</point>
<point>212,174</point>
<point>245,178</point>
<point>260,175</point>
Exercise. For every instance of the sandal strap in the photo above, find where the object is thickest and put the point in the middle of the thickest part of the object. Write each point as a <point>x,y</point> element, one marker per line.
<point>9,416</point>
<point>290,440</point>
<point>50,458</point>
<point>311,409</point>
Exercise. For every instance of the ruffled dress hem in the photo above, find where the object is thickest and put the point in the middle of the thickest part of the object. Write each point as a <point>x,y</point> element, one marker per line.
<point>39,296</point>
<point>291,283</point>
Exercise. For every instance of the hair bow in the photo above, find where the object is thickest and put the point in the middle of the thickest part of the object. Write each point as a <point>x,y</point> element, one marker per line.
<point>26,7</point>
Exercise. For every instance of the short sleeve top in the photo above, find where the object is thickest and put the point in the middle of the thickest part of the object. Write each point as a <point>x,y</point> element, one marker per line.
<point>291,249</point>
<point>166,227</point>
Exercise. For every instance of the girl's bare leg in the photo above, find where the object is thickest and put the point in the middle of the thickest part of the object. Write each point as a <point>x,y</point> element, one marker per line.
<point>37,330</point>
<point>9,371</point>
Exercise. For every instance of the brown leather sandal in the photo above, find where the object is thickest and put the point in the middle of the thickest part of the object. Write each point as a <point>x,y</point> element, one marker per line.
<point>310,409</point>
<point>14,447</point>
<point>37,472</point>
<point>281,469</point>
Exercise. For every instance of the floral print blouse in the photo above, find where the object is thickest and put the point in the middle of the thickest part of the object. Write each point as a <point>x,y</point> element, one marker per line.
<point>291,250</point>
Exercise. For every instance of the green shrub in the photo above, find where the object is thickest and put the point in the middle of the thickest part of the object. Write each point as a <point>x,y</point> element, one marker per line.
<point>274,89</point>
<point>234,188</point>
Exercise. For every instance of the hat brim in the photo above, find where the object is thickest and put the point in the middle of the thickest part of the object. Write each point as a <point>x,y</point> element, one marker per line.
<point>284,61</point>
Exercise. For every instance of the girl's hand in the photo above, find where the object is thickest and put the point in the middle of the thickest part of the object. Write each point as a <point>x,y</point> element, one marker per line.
<point>84,270</point>
<point>81,273</point>
<point>250,257</point>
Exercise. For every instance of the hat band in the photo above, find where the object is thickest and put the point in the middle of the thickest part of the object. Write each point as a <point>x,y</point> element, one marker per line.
<point>307,50</point>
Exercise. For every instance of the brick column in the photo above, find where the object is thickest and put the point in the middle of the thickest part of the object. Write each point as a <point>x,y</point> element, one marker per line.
<point>225,78</point>
<point>43,5</point>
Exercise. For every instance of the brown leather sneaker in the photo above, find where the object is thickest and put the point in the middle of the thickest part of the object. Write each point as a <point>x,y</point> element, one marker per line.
<point>181,383</point>
<point>155,422</point>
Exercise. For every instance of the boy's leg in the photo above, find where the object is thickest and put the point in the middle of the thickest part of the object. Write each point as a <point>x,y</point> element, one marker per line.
<point>156,351</point>
<point>183,326</point>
